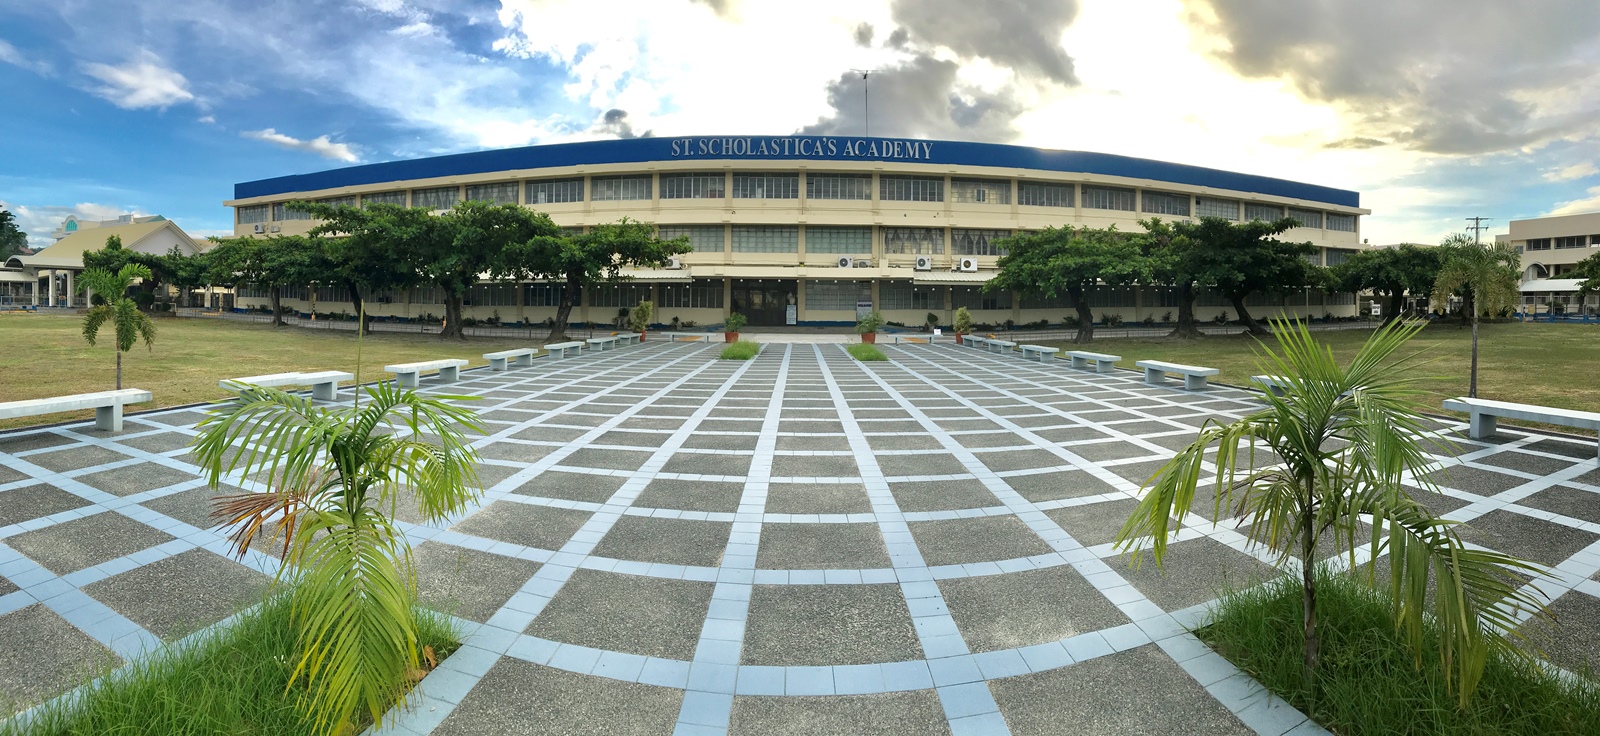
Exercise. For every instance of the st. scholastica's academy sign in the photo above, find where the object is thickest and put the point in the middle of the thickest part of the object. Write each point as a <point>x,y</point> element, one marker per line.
<point>802,147</point>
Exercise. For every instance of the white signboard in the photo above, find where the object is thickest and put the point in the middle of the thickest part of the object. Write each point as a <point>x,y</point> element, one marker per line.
<point>791,315</point>
<point>1377,309</point>
<point>863,307</point>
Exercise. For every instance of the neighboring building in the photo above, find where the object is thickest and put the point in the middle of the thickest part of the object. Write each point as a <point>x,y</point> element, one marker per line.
<point>47,278</point>
<point>72,224</point>
<point>811,230</point>
<point>1550,248</point>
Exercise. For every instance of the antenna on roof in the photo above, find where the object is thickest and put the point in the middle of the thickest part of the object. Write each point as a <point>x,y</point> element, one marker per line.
<point>866,99</point>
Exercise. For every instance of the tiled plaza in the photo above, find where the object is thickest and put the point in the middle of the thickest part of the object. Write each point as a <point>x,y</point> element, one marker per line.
<point>801,543</point>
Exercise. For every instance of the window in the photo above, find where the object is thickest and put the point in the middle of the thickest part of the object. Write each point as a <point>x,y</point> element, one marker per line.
<point>491,295</point>
<point>572,230</point>
<point>1336,256</point>
<point>545,295</point>
<point>1044,195</point>
<point>1571,241</point>
<point>618,295</point>
<point>1163,203</point>
<point>1594,240</point>
<point>980,191</point>
<point>1108,198</point>
<point>911,188</point>
<point>905,295</point>
<point>836,295</point>
<point>920,241</point>
<point>345,201</point>
<point>606,188</point>
<point>1227,209</point>
<point>330,295</point>
<point>766,186</point>
<point>766,239</point>
<point>251,291</point>
<point>972,299</point>
<point>499,193</point>
<point>282,213</point>
<point>694,186</point>
<point>1110,297</point>
<point>703,238</point>
<point>426,295</point>
<point>703,294</point>
<point>438,198</point>
<point>1037,301</point>
<point>977,242</point>
<point>394,198</point>
<point>1342,223</point>
<point>1263,212</point>
<point>1538,244</point>
<point>838,239</point>
<point>253,213</point>
<point>838,186</point>
<point>1307,218</point>
<point>551,191</point>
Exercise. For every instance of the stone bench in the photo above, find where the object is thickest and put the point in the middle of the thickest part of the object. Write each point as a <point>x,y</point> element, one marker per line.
<point>1485,415</point>
<point>974,341</point>
<point>107,406</point>
<point>560,349</point>
<point>1194,377</point>
<point>505,358</point>
<point>629,338</point>
<point>1038,352</point>
<point>449,370</point>
<point>687,336</point>
<point>1103,363</point>
<point>1004,346</point>
<point>602,343</point>
<point>324,384</point>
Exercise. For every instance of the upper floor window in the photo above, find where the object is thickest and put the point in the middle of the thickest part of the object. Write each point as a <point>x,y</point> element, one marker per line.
<point>345,201</point>
<point>1263,212</point>
<point>1163,203</point>
<point>703,238</point>
<point>1341,222</point>
<point>1571,241</point>
<point>1227,209</point>
<point>1336,256</point>
<point>1108,198</point>
<point>821,239</point>
<point>920,241</point>
<point>1538,244</point>
<point>1307,218</point>
<point>551,191</point>
<point>252,214</point>
<point>437,198</point>
<point>498,193</point>
<point>394,198</point>
<point>766,239</point>
<point>282,212</point>
<point>605,188</point>
<point>980,191</point>
<point>766,186</point>
<point>965,242</point>
<point>694,186</point>
<point>911,188</point>
<point>1039,194</point>
<point>838,186</point>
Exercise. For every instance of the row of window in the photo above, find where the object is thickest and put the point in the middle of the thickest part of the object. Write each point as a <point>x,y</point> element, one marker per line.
<point>838,239</point>
<point>1566,241</point>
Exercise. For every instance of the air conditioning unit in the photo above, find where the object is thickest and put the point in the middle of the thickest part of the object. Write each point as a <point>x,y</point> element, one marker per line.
<point>674,263</point>
<point>275,228</point>
<point>967,265</point>
<point>260,229</point>
<point>861,263</point>
<point>924,263</point>
<point>846,262</point>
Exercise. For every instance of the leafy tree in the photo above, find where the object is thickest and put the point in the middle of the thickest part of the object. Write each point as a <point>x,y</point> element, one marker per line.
<point>583,260</point>
<point>273,263</point>
<point>1587,269</point>
<point>330,473</point>
<point>1489,274</point>
<point>1172,261</point>
<point>1238,259</point>
<point>481,233</point>
<point>375,249</point>
<point>1347,438</point>
<point>12,239</point>
<point>122,313</point>
<point>1391,272</point>
<point>114,257</point>
<point>1066,262</point>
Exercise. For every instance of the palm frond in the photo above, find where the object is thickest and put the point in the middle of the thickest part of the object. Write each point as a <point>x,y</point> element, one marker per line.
<point>94,320</point>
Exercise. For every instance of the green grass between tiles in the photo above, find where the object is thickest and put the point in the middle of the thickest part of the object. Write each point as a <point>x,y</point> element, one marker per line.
<point>1371,684</point>
<point>741,350</point>
<point>230,682</point>
<point>865,352</point>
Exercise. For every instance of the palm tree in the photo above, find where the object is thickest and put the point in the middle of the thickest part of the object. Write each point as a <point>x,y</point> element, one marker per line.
<point>1488,272</point>
<point>330,475</point>
<point>1347,437</point>
<point>124,316</point>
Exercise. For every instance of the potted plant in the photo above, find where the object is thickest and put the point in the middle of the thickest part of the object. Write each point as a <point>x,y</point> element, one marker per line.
<point>730,328</point>
<point>639,319</point>
<point>868,326</point>
<point>932,322</point>
<point>963,323</point>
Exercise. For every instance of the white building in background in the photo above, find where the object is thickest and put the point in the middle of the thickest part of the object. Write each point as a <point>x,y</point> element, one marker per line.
<point>1550,248</point>
<point>47,278</point>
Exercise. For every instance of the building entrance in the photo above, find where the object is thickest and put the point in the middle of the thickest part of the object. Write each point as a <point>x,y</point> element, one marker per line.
<point>764,303</point>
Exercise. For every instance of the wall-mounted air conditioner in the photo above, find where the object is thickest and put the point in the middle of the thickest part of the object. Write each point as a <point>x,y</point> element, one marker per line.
<point>275,228</point>
<point>260,229</point>
<point>967,265</point>
<point>861,263</point>
<point>846,262</point>
<point>924,263</point>
<point>674,263</point>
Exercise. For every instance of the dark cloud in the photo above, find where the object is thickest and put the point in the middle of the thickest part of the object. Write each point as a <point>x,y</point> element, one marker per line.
<point>1443,76</point>
<point>1024,35</point>
<point>863,34</point>
<point>1356,142</point>
<point>898,38</point>
<point>616,123</point>
<point>920,98</point>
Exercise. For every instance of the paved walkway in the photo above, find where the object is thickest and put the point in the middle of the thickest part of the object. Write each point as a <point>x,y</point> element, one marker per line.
<point>796,544</point>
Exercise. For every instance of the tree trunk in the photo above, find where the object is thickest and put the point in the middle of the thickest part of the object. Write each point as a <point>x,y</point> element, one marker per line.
<point>277,306</point>
<point>569,296</point>
<point>1472,386</point>
<point>119,369</point>
<point>452,316</point>
<point>1250,323</point>
<point>356,301</point>
<point>1085,317</point>
<point>1397,300</point>
<point>1468,306</point>
<point>1308,576</point>
<point>1186,327</point>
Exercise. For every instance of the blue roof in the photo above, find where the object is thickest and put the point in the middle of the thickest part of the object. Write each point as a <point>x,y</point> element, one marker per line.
<point>792,148</point>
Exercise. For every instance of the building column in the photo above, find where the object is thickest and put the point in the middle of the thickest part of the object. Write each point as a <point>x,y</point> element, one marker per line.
<point>71,290</point>
<point>36,289</point>
<point>52,287</point>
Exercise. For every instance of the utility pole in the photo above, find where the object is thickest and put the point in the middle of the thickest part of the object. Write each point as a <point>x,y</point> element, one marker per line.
<point>1477,226</point>
<point>866,96</point>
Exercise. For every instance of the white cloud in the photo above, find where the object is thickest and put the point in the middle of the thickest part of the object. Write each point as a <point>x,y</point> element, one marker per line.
<point>10,55</point>
<point>1574,172</point>
<point>141,82</point>
<point>208,119</point>
<point>319,145</point>
<point>38,221</point>
<point>1584,205</point>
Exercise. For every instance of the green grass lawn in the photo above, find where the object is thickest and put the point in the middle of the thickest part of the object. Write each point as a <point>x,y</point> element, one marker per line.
<point>1543,364</point>
<point>865,353</point>
<point>740,350</point>
<point>45,355</point>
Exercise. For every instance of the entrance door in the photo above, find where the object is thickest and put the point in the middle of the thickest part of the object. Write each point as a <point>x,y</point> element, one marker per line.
<point>763,303</point>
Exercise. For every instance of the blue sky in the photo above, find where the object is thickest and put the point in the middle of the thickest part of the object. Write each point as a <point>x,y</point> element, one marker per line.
<point>1435,110</point>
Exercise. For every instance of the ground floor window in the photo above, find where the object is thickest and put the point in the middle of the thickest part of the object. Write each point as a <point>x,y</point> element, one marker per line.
<point>698,295</point>
<point>545,295</point>
<point>975,299</point>
<point>837,295</point>
<point>492,295</point>
<point>905,295</point>
<point>618,295</point>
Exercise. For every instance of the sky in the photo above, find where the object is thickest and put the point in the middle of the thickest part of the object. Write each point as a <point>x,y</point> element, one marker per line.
<point>1434,110</point>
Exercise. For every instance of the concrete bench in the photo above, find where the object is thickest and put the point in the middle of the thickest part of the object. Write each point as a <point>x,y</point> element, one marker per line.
<point>449,370</point>
<point>505,358</point>
<point>107,406</point>
<point>629,338</point>
<point>1004,346</point>
<point>1102,363</point>
<point>560,349</point>
<point>603,343</point>
<point>324,384</point>
<point>1194,377</point>
<point>687,336</point>
<point>973,341</point>
<point>1485,415</point>
<point>1038,352</point>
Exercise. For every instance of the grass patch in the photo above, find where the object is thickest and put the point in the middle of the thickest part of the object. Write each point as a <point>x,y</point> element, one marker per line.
<point>864,352</point>
<point>741,350</point>
<point>1369,681</point>
<point>228,682</point>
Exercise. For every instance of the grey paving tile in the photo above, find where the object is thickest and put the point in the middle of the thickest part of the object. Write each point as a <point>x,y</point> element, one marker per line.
<point>691,495</point>
<point>720,441</point>
<point>890,443</point>
<point>814,466</point>
<point>984,539</point>
<point>606,459</point>
<point>515,452</point>
<point>181,594</point>
<point>1545,542</point>
<point>1193,571</point>
<point>518,698</point>
<point>930,464</point>
<point>1095,523</point>
<point>654,617</point>
<point>1475,480</point>
<point>698,463</point>
<point>31,502</point>
<point>1536,464</point>
<point>821,547</point>
<point>158,443</point>
<point>1055,485</point>
<point>549,434</point>
<point>572,486</point>
<point>126,481</point>
<point>75,458</point>
<point>1020,460</point>
<point>43,656</point>
<point>1021,609</point>
<point>800,625</point>
<point>1576,449</point>
<point>1571,643</point>
<point>818,498</point>
<point>670,541</point>
<point>914,712</point>
<point>941,495</point>
<point>1567,501</point>
<point>465,582</point>
<point>1072,434</point>
<point>85,542</point>
<point>14,443</point>
<point>531,526</point>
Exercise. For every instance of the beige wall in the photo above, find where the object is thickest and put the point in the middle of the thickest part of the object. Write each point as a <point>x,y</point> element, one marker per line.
<point>1551,262</point>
